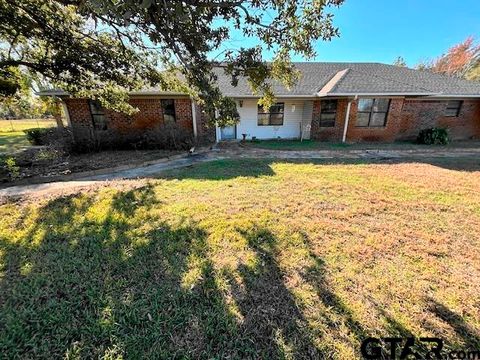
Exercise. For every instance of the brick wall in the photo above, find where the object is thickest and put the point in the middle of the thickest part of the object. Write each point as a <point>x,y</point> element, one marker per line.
<point>417,115</point>
<point>80,120</point>
<point>404,121</point>
<point>328,133</point>
<point>383,134</point>
<point>149,116</point>
<point>183,113</point>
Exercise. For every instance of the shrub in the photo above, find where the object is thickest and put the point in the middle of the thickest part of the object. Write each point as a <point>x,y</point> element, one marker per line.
<point>433,136</point>
<point>36,136</point>
<point>12,168</point>
<point>58,139</point>
<point>169,136</point>
<point>164,137</point>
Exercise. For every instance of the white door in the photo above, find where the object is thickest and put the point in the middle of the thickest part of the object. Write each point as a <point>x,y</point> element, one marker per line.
<point>228,132</point>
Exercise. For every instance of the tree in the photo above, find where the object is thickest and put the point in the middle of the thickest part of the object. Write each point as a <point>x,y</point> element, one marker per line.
<point>400,61</point>
<point>457,58</point>
<point>105,48</point>
<point>424,64</point>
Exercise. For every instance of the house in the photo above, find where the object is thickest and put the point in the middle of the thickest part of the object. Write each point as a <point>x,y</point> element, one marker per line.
<point>332,101</point>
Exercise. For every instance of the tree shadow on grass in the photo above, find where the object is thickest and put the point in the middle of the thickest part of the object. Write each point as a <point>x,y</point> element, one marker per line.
<point>222,170</point>
<point>315,275</point>
<point>271,317</point>
<point>87,286</point>
<point>250,167</point>
<point>107,285</point>
<point>468,335</point>
<point>81,286</point>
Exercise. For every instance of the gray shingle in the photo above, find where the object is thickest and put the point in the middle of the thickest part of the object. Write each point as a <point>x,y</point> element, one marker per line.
<point>361,78</point>
<point>372,78</point>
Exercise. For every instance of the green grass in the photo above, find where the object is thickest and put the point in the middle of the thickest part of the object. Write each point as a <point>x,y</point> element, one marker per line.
<point>286,144</point>
<point>20,125</point>
<point>244,259</point>
<point>12,141</point>
<point>12,136</point>
<point>325,145</point>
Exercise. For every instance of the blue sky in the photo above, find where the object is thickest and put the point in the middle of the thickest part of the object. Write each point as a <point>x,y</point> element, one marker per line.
<point>381,30</point>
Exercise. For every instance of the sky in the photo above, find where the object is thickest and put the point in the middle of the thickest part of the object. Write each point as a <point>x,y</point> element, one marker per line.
<point>382,30</point>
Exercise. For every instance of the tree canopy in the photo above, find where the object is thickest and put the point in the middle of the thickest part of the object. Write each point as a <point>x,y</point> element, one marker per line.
<point>461,60</point>
<point>103,49</point>
<point>400,61</point>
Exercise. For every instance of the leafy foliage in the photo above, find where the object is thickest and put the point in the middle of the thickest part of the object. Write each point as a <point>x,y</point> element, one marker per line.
<point>400,61</point>
<point>35,136</point>
<point>12,168</point>
<point>461,60</point>
<point>103,49</point>
<point>433,136</point>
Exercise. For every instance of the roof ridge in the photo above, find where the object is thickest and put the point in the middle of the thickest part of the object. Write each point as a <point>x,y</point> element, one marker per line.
<point>333,82</point>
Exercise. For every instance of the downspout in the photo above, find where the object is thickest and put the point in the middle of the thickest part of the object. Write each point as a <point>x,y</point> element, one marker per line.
<point>194,119</point>
<point>347,118</point>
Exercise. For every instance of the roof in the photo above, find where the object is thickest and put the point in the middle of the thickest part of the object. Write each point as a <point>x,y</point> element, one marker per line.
<point>345,79</point>
<point>335,79</point>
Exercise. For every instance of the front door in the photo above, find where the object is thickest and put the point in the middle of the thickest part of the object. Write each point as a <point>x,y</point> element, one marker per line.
<point>228,132</point>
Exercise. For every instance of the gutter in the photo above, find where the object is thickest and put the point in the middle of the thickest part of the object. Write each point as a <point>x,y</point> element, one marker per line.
<point>378,94</point>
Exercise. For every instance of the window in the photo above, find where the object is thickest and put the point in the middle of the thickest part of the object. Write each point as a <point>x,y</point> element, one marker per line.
<point>453,108</point>
<point>273,117</point>
<point>168,108</point>
<point>372,112</point>
<point>98,115</point>
<point>328,112</point>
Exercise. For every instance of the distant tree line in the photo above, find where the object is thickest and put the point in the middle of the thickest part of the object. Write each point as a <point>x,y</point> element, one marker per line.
<point>461,60</point>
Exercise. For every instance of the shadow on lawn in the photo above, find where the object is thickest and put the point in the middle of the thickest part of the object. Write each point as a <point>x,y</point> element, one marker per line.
<point>222,170</point>
<point>84,288</point>
<point>100,286</point>
<point>249,167</point>
<point>88,290</point>
<point>464,331</point>
<point>92,287</point>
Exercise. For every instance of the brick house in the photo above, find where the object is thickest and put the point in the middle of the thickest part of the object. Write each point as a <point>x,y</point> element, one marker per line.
<point>332,102</point>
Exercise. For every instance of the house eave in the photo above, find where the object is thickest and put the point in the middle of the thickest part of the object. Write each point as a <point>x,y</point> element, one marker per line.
<point>455,96</point>
<point>353,94</point>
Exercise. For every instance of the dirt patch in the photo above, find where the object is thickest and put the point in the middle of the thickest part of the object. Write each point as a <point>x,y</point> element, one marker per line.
<point>47,162</point>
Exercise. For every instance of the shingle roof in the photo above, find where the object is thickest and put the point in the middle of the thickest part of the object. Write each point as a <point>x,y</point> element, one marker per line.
<point>331,79</point>
<point>361,78</point>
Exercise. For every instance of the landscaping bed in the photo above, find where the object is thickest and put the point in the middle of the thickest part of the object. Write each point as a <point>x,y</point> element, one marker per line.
<point>47,162</point>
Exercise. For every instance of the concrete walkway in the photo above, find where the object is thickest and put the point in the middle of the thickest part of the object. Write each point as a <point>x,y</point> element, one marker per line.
<point>135,173</point>
<point>233,152</point>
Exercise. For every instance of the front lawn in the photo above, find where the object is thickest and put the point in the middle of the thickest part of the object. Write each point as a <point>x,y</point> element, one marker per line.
<point>12,141</point>
<point>12,135</point>
<point>244,259</point>
<point>326,145</point>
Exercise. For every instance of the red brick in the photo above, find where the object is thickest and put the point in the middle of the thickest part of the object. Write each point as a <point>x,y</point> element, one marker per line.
<point>405,119</point>
<point>149,116</point>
